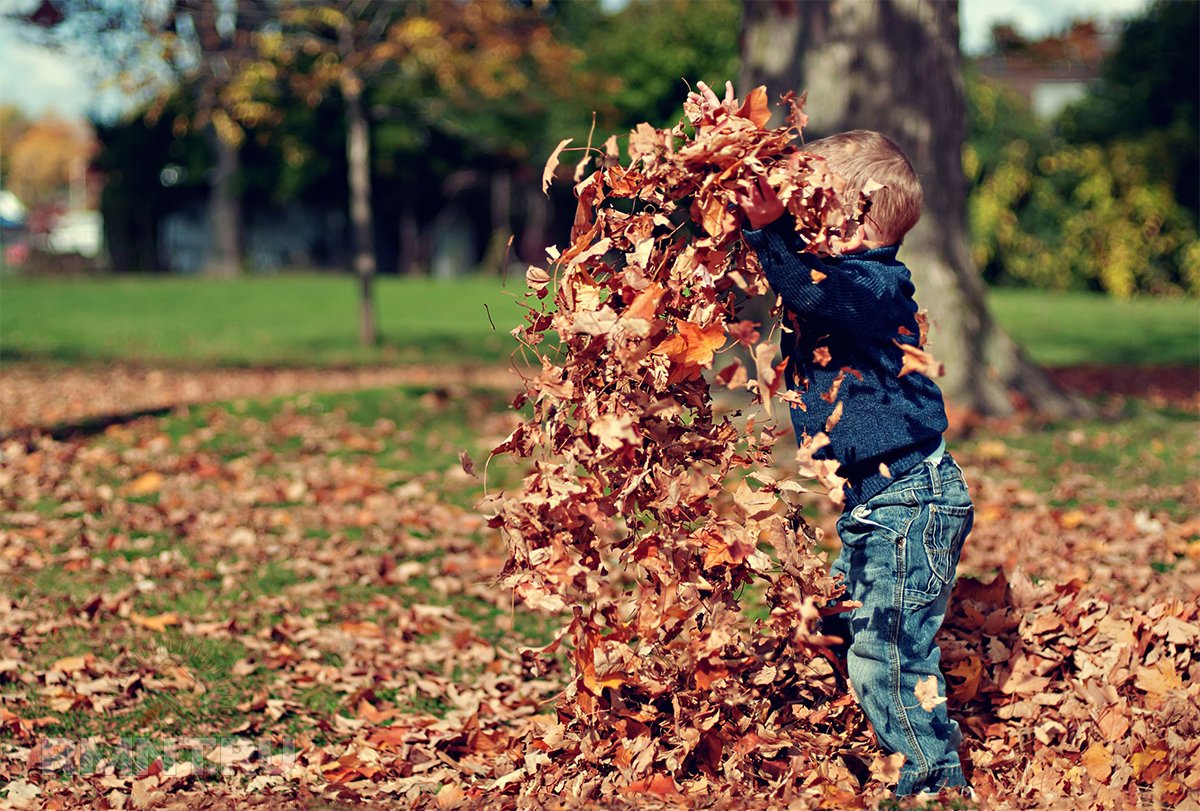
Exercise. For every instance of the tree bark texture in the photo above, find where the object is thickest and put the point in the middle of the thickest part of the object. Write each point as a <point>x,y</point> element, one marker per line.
<point>358,155</point>
<point>894,66</point>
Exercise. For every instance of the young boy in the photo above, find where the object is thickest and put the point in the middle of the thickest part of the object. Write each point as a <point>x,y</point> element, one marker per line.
<point>907,509</point>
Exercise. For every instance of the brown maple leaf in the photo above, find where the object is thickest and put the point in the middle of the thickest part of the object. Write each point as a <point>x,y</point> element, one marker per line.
<point>693,345</point>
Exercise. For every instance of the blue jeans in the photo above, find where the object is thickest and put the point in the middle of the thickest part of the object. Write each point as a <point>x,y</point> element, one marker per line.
<point>900,549</point>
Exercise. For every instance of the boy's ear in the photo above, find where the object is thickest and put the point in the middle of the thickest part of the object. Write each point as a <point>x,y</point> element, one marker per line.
<point>851,244</point>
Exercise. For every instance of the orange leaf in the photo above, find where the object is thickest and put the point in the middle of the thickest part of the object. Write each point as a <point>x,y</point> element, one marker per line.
<point>693,345</point>
<point>970,670</point>
<point>145,484</point>
<point>156,623</point>
<point>362,628</point>
<point>1149,763</point>
<point>1097,759</point>
<point>756,108</point>
<point>661,784</point>
<point>1160,678</point>
<point>714,214</point>
<point>645,304</point>
<point>918,360</point>
<point>70,664</point>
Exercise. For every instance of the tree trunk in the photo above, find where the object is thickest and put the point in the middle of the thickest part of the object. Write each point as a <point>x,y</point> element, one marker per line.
<point>358,154</point>
<point>406,259</point>
<point>894,66</point>
<point>496,254</point>
<point>224,211</point>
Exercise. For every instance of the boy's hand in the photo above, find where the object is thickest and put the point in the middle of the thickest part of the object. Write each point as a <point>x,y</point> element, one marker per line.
<point>762,205</point>
<point>711,108</point>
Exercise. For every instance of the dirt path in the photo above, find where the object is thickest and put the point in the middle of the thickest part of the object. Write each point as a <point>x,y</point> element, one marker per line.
<point>34,396</point>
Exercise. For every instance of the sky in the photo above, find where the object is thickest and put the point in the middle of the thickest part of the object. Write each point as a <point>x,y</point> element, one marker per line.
<point>40,81</point>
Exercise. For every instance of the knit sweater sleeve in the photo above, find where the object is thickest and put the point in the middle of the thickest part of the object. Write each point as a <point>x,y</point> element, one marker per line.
<point>843,299</point>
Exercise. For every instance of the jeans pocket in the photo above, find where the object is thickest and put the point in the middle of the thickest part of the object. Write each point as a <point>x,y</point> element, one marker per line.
<point>933,551</point>
<point>941,545</point>
<point>891,521</point>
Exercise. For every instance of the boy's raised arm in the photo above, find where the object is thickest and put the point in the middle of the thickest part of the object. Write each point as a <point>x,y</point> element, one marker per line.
<point>813,289</point>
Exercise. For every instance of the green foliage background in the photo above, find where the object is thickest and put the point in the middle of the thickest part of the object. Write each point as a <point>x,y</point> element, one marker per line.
<point>1104,197</point>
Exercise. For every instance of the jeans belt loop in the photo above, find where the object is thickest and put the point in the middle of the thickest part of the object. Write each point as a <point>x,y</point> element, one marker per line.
<point>935,478</point>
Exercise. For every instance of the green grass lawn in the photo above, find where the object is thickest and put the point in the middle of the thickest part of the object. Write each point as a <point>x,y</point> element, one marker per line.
<point>302,320</point>
<point>281,320</point>
<point>1062,329</point>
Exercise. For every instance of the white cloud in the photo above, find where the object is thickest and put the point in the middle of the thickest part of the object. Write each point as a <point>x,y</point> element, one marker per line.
<point>39,80</point>
<point>1035,18</point>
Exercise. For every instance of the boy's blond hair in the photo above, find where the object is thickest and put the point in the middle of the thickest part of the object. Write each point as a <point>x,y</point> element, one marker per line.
<point>862,155</point>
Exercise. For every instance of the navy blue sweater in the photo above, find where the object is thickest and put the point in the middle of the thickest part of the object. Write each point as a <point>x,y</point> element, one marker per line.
<point>850,321</point>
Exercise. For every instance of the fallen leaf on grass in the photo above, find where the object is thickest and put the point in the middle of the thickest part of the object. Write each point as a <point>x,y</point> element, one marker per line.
<point>158,623</point>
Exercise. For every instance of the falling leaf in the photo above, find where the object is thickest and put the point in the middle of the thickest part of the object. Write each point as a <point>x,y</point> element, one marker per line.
<point>537,278</point>
<point>468,465</point>
<point>744,332</point>
<point>552,165</point>
<point>693,345</point>
<point>916,359</point>
<point>927,693</point>
<point>835,416</point>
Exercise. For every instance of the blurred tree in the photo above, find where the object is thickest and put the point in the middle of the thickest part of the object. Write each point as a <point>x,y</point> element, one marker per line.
<point>645,54</point>
<point>1055,215</point>
<point>320,47</point>
<point>13,124</point>
<point>1149,93</point>
<point>480,71</point>
<point>45,158</point>
<point>148,171</point>
<point>894,66</point>
<point>153,48</point>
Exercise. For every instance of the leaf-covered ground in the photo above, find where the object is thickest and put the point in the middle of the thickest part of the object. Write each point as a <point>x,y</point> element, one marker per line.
<point>290,600</point>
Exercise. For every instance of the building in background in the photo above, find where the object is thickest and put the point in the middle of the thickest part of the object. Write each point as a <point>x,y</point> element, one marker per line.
<point>1048,73</point>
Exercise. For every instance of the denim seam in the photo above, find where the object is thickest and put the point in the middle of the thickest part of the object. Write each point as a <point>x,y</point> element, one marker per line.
<point>894,654</point>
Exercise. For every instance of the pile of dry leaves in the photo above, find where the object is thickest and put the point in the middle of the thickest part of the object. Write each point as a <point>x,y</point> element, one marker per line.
<point>628,520</point>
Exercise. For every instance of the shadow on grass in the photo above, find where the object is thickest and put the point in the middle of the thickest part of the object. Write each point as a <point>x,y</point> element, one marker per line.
<point>441,348</point>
